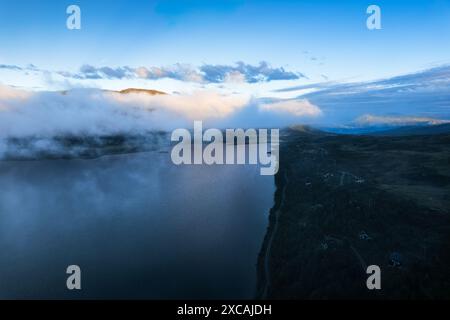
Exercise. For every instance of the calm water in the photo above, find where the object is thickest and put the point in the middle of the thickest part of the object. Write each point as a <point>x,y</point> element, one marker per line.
<point>138,226</point>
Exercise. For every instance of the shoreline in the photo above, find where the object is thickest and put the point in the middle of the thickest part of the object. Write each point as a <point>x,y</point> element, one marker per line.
<point>263,261</point>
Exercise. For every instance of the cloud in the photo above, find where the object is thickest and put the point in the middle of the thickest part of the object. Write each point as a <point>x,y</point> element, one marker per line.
<point>259,73</point>
<point>91,72</point>
<point>299,108</point>
<point>234,77</point>
<point>182,72</point>
<point>29,67</point>
<point>424,94</point>
<point>427,81</point>
<point>199,105</point>
<point>374,120</point>
<point>430,79</point>
<point>7,93</point>
<point>95,112</point>
<point>91,112</point>
<point>418,97</point>
<point>317,86</point>
<point>10,67</point>
<point>206,73</point>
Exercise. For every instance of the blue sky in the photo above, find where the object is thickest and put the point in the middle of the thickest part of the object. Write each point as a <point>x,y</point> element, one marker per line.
<point>312,37</point>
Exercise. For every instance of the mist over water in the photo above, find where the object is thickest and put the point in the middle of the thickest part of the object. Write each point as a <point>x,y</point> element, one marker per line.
<point>137,225</point>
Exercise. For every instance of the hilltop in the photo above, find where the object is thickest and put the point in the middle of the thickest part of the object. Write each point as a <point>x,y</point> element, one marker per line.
<point>145,91</point>
<point>130,90</point>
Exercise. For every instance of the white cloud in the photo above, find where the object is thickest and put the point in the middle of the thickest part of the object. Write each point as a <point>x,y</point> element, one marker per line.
<point>298,108</point>
<point>203,74</point>
<point>198,105</point>
<point>97,112</point>
<point>7,92</point>
<point>10,93</point>
<point>234,77</point>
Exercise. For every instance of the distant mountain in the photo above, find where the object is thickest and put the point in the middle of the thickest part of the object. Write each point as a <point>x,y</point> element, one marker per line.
<point>306,129</point>
<point>128,91</point>
<point>415,130</point>
<point>137,90</point>
<point>406,130</point>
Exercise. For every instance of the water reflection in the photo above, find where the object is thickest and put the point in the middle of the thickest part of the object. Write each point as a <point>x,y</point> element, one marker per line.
<point>138,226</point>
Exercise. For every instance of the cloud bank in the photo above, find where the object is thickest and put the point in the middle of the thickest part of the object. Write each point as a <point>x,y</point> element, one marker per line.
<point>297,108</point>
<point>424,94</point>
<point>206,73</point>
<point>252,74</point>
<point>419,98</point>
<point>97,112</point>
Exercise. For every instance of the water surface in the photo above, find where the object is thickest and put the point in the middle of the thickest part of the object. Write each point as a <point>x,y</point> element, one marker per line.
<point>137,225</point>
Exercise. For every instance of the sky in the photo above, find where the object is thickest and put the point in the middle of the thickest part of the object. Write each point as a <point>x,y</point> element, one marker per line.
<point>318,38</point>
<point>296,56</point>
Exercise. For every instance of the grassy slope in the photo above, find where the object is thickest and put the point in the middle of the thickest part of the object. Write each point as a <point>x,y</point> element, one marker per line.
<point>393,189</point>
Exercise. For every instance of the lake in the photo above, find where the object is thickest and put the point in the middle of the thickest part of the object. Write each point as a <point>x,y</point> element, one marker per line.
<point>137,225</point>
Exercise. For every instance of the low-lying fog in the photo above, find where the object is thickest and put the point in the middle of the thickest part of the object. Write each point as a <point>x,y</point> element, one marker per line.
<point>137,225</point>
